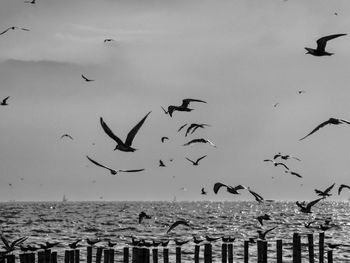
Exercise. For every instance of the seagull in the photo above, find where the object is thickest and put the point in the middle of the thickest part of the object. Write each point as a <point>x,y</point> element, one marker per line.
<point>86,79</point>
<point>179,243</point>
<point>67,135</point>
<point>257,197</point>
<point>285,157</point>
<point>4,101</point>
<point>48,245</point>
<point>164,138</point>
<point>194,126</point>
<point>307,208</point>
<point>113,172</point>
<point>124,146</point>
<point>211,239</point>
<point>197,240</point>
<point>111,244</point>
<point>74,244</point>
<point>230,189</point>
<point>9,247</point>
<point>333,246</point>
<point>13,28</point>
<point>203,192</point>
<point>108,40</point>
<point>341,188</point>
<point>182,107</point>
<point>92,242</point>
<point>301,91</point>
<point>179,222</point>
<point>161,163</point>
<point>276,163</point>
<point>142,216</point>
<point>329,121</point>
<point>293,173</point>
<point>263,234</point>
<point>263,217</point>
<point>195,163</point>
<point>201,140</point>
<point>321,45</point>
<point>325,192</point>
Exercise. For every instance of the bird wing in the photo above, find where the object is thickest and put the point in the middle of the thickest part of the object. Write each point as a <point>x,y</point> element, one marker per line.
<point>258,197</point>
<point>84,77</point>
<point>179,222</point>
<point>268,160</point>
<point>329,188</point>
<point>276,156</point>
<point>96,163</point>
<point>200,158</point>
<point>285,166</point>
<point>24,29</point>
<point>195,141</point>
<point>189,128</point>
<point>345,121</point>
<point>309,205</point>
<point>4,100</point>
<point>181,127</point>
<point>131,170</point>
<point>341,188</point>
<point>18,241</point>
<point>134,131</point>
<point>109,132</point>
<point>3,32</point>
<point>164,110</point>
<point>6,243</point>
<point>217,186</point>
<point>239,187</point>
<point>164,138</point>
<point>322,42</point>
<point>296,174</point>
<point>268,230</point>
<point>299,205</point>
<point>316,129</point>
<point>186,102</point>
<point>190,160</point>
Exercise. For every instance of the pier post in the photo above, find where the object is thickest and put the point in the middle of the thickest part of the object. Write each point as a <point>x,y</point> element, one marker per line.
<point>224,253</point>
<point>105,256</point>
<point>111,255</point>
<point>230,253</point>
<point>246,251</point>
<point>47,255</point>
<point>310,239</point>
<point>321,247</point>
<point>196,253</point>
<point>178,254</point>
<point>296,248</point>
<point>146,255</point>
<point>207,253</point>
<point>155,255</point>
<point>31,257</point>
<point>53,258</point>
<point>66,256</point>
<point>125,255</point>
<point>89,254</point>
<point>22,258</point>
<point>330,256</point>
<point>76,256</point>
<point>262,251</point>
<point>99,254</point>
<point>71,256</point>
<point>165,255</point>
<point>279,251</point>
<point>11,259</point>
<point>41,257</point>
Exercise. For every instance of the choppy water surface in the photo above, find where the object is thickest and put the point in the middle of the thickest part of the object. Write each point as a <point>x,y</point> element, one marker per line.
<point>117,221</point>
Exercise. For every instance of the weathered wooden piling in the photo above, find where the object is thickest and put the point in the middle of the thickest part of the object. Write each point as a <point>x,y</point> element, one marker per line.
<point>262,251</point>
<point>321,247</point>
<point>23,258</point>
<point>330,256</point>
<point>155,255</point>
<point>31,258</point>
<point>196,253</point>
<point>76,256</point>
<point>106,256</point>
<point>111,255</point>
<point>134,254</point>
<point>208,253</point>
<point>53,258</point>
<point>279,251</point>
<point>296,248</point>
<point>41,257</point>
<point>89,254</point>
<point>310,239</point>
<point>139,255</point>
<point>146,255</point>
<point>224,253</point>
<point>125,255</point>
<point>99,254</point>
<point>11,259</point>
<point>66,256</point>
<point>47,255</point>
<point>178,255</point>
<point>165,255</point>
<point>246,251</point>
<point>230,253</point>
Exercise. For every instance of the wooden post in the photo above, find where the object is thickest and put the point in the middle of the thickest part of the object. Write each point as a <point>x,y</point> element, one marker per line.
<point>264,248</point>
<point>230,253</point>
<point>279,250</point>
<point>31,257</point>
<point>165,255</point>
<point>11,259</point>
<point>105,256</point>
<point>146,255</point>
<point>125,255</point>
<point>155,255</point>
<point>71,256</point>
<point>47,255</point>
<point>330,256</point>
<point>99,254</point>
<point>89,254</point>
<point>139,255</point>
<point>178,254</point>
<point>41,257</point>
<point>259,251</point>
<point>53,258</point>
<point>196,253</point>
<point>296,248</point>
<point>208,253</point>
<point>321,247</point>
<point>66,256</point>
<point>111,255</point>
<point>23,258</point>
<point>310,238</point>
<point>2,257</point>
<point>224,253</point>
<point>134,255</point>
<point>246,251</point>
<point>76,256</point>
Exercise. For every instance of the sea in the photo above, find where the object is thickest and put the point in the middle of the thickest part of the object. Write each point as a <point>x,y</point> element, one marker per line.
<point>68,221</point>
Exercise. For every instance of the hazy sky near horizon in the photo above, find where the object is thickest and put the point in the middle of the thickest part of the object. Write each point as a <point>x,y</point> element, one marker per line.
<point>241,56</point>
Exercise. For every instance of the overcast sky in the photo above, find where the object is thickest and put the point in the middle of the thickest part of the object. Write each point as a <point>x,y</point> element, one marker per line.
<point>241,56</point>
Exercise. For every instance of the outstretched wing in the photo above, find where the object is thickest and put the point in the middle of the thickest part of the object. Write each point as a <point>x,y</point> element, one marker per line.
<point>6,243</point>
<point>3,32</point>
<point>309,205</point>
<point>341,188</point>
<point>258,197</point>
<point>186,102</point>
<point>164,110</point>
<point>131,170</point>
<point>109,132</point>
<point>96,163</point>
<point>5,100</point>
<point>200,158</point>
<point>190,160</point>
<point>285,166</point>
<point>217,186</point>
<point>181,127</point>
<point>322,42</point>
<point>296,174</point>
<point>316,129</point>
<point>134,131</point>
<point>329,188</point>
<point>345,121</point>
<point>179,222</point>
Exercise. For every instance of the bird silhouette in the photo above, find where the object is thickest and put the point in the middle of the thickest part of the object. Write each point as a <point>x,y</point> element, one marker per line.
<point>203,192</point>
<point>74,244</point>
<point>194,126</point>
<point>285,157</point>
<point>92,242</point>
<point>112,171</point>
<point>293,173</point>
<point>307,208</point>
<point>325,193</point>
<point>329,121</point>
<point>124,146</point>
<point>86,79</point>
<point>49,245</point>
<point>230,189</point>
<point>262,218</point>
<point>301,91</point>
<point>197,240</point>
<point>177,223</point>
<point>142,216</point>
<point>13,28</point>
<point>257,197</point>
<point>341,187</point>
<point>10,246</point>
<point>4,101</point>
<point>67,136</point>
<point>179,242</point>
<point>108,40</point>
<point>276,163</point>
<point>182,107</point>
<point>195,163</point>
<point>262,234</point>
<point>321,45</point>
<point>30,2</point>
<point>200,140</point>
<point>164,138</point>
<point>211,239</point>
<point>161,163</point>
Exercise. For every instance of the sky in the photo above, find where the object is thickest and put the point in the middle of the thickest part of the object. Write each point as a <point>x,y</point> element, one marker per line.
<point>240,56</point>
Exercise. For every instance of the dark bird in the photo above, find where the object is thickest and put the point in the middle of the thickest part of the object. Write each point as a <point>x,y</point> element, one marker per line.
<point>194,126</point>
<point>30,2</point>
<point>257,197</point>
<point>67,135</point>
<point>307,208</point>
<point>92,242</point>
<point>4,101</point>
<point>321,45</point>
<point>325,227</point>
<point>276,163</point>
<point>164,243</point>
<point>201,140</point>
<point>142,216</point>
<point>182,107</point>
<point>285,157</point>
<point>179,242</point>
<point>211,239</point>
<point>263,217</point>
<point>197,161</point>
<point>301,91</point>
<point>10,246</point>
<point>228,239</point>
<point>262,234</point>
<point>325,193</point>
<point>13,28</point>
<point>49,245</point>
<point>112,171</point>
<point>181,127</point>
<point>74,244</point>
<point>333,246</point>
<point>86,79</point>
<point>124,146</point>
<point>203,192</point>
<point>164,138</point>
<point>161,163</point>
<point>111,244</point>
<point>329,121</point>
<point>108,40</point>
<point>197,240</point>
<point>341,187</point>
<point>293,173</point>
<point>179,222</point>
<point>230,189</point>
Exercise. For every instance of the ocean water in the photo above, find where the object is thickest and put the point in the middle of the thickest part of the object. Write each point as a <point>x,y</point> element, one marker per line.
<point>118,221</point>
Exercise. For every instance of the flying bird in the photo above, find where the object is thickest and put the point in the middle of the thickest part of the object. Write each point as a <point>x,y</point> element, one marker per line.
<point>161,163</point>
<point>74,244</point>
<point>195,163</point>
<point>341,187</point>
<point>230,189</point>
<point>182,107</point>
<point>200,140</point>
<point>321,45</point>
<point>124,146</point>
<point>142,216</point>
<point>194,126</point>
<point>307,208</point>
<point>112,171</point>
<point>86,79</point>
<point>257,197</point>
<point>293,173</point>
<point>10,246</point>
<point>262,234</point>
<point>4,101</point>
<point>177,223</point>
<point>67,135</point>
<point>325,193</point>
<point>285,157</point>
<point>164,138</point>
<point>329,121</point>
<point>262,218</point>
<point>276,163</point>
<point>30,2</point>
<point>92,242</point>
<point>108,40</point>
<point>203,192</point>
<point>13,28</point>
